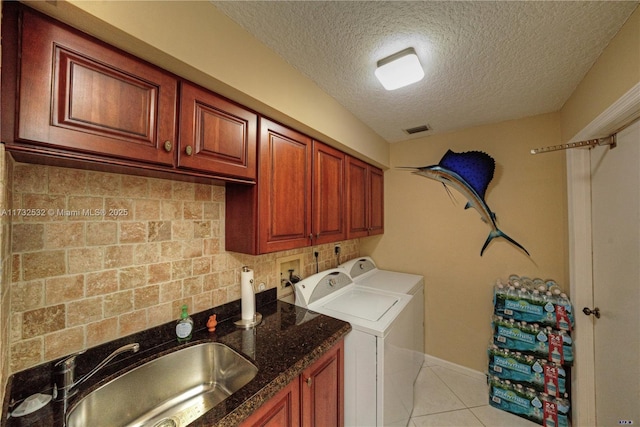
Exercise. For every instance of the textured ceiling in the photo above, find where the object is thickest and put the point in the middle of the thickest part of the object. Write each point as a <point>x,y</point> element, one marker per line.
<point>484,61</point>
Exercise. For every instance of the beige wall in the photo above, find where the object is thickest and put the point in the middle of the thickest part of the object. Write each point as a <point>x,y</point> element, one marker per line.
<point>426,233</point>
<point>616,71</point>
<point>225,58</point>
<point>79,280</point>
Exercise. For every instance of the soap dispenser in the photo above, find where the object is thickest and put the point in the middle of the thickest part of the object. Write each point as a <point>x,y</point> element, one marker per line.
<point>184,327</point>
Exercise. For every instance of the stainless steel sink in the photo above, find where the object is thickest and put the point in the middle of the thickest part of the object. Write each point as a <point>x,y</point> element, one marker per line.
<point>171,391</point>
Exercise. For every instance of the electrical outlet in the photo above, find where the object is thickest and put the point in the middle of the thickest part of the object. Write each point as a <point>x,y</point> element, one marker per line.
<point>336,249</point>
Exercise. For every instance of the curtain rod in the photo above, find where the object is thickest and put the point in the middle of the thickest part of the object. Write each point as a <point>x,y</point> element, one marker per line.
<point>609,140</point>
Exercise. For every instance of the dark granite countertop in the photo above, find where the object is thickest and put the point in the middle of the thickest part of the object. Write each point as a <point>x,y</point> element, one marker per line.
<point>288,340</point>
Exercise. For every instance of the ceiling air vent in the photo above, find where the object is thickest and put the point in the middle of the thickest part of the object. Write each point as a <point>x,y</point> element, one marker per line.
<point>417,129</point>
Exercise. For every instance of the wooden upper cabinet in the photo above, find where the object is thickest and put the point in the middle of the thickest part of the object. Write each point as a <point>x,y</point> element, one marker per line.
<point>329,197</point>
<point>216,134</point>
<point>300,199</point>
<point>308,193</point>
<point>284,204</point>
<point>376,201</point>
<point>357,198</point>
<point>365,199</point>
<point>82,95</point>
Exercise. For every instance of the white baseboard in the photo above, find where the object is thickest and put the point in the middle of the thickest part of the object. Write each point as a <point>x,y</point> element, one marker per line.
<point>435,361</point>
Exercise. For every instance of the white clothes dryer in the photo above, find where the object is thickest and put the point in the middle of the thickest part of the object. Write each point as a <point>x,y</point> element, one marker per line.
<point>377,351</point>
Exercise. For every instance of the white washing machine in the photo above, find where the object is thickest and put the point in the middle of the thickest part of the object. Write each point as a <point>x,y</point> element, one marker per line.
<point>364,272</point>
<point>377,350</point>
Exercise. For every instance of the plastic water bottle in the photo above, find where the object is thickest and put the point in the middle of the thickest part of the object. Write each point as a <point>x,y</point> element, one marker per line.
<point>526,282</point>
<point>564,318</point>
<point>499,290</point>
<point>499,295</point>
<point>549,307</point>
<point>548,297</point>
<point>523,293</point>
<point>552,285</point>
<point>516,284</point>
<point>563,300</point>
<point>536,298</point>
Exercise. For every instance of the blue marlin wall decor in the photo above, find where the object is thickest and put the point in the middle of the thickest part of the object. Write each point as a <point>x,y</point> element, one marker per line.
<point>470,173</point>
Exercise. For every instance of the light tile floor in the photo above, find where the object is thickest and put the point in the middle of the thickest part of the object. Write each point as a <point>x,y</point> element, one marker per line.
<point>445,397</point>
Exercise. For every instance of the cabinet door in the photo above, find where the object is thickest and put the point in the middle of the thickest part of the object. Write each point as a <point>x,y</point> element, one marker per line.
<point>357,198</point>
<point>285,188</point>
<point>216,135</point>
<point>365,199</point>
<point>282,410</point>
<point>82,95</point>
<point>376,201</point>
<point>329,222</point>
<point>323,390</point>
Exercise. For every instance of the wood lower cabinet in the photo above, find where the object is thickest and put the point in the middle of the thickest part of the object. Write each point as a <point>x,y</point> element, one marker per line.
<point>314,399</point>
<point>282,410</point>
<point>365,199</point>
<point>216,134</point>
<point>322,390</point>
<point>76,93</point>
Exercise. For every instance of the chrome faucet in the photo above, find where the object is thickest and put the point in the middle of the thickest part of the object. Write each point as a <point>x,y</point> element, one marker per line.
<point>65,382</point>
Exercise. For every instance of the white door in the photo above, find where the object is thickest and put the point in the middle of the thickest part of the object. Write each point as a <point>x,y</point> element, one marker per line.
<point>615,215</point>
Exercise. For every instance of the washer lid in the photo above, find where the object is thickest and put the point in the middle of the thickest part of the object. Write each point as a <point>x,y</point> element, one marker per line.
<point>403,283</point>
<point>369,310</point>
<point>362,304</point>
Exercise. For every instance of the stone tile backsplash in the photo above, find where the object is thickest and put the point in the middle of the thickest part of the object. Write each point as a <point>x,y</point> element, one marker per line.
<point>6,186</point>
<point>96,256</point>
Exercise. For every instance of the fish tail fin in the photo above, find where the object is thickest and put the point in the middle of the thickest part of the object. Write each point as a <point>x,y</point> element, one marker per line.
<point>498,233</point>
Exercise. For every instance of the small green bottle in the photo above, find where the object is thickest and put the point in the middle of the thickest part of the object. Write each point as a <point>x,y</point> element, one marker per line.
<point>184,327</point>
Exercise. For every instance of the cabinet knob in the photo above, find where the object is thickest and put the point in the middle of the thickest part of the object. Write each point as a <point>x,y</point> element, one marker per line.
<point>188,150</point>
<point>168,146</point>
<point>309,381</point>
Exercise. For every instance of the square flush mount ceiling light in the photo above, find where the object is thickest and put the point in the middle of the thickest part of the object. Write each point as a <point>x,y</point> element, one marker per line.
<point>400,69</point>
